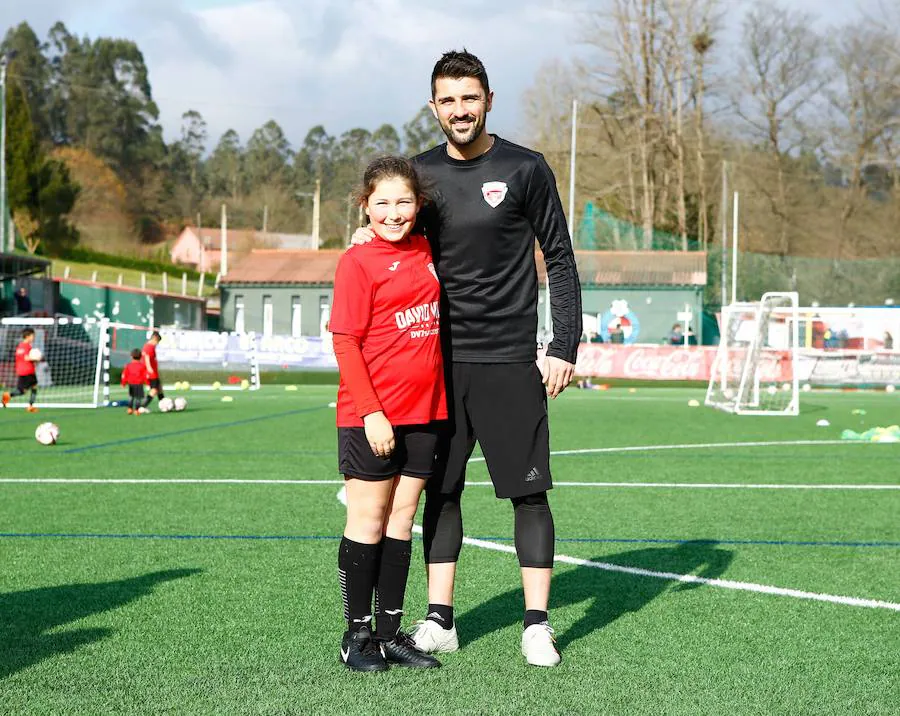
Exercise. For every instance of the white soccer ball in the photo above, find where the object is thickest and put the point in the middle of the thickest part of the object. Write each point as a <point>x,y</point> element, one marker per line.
<point>728,393</point>
<point>771,390</point>
<point>807,387</point>
<point>786,387</point>
<point>216,385</point>
<point>180,404</point>
<point>47,433</point>
<point>35,354</point>
<point>889,389</point>
<point>166,405</point>
<point>245,384</point>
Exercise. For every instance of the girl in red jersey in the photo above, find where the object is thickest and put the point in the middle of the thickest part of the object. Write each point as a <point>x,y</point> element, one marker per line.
<point>385,322</point>
<point>26,374</point>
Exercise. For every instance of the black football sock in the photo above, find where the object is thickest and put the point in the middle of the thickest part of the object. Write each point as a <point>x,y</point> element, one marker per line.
<point>148,400</point>
<point>391,587</point>
<point>32,397</point>
<point>441,614</point>
<point>357,570</point>
<point>534,616</point>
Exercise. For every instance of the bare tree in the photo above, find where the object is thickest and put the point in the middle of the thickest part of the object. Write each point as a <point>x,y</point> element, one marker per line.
<point>865,110</point>
<point>783,74</point>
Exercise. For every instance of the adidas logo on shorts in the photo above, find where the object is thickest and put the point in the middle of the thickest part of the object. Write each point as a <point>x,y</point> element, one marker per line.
<point>533,474</point>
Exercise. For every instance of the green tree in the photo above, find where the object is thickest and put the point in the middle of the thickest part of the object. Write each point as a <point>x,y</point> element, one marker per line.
<point>422,132</point>
<point>224,167</point>
<point>267,157</point>
<point>37,185</point>
<point>33,70</point>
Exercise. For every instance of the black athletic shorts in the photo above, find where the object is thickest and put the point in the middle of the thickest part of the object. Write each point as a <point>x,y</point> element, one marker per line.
<point>26,382</point>
<point>156,384</point>
<point>414,454</point>
<point>136,391</point>
<point>504,407</point>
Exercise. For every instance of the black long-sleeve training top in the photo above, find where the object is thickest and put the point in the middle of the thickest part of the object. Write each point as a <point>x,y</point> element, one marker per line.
<point>482,221</point>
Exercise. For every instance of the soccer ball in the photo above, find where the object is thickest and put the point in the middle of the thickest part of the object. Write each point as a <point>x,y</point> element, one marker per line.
<point>178,385</point>
<point>807,387</point>
<point>47,434</point>
<point>771,390</point>
<point>35,354</point>
<point>180,404</point>
<point>186,385</point>
<point>245,384</point>
<point>166,405</point>
<point>890,389</point>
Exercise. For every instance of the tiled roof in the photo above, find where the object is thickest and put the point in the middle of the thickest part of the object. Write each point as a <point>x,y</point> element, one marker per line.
<point>246,238</point>
<point>598,268</point>
<point>637,268</point>
<point>285,267</point>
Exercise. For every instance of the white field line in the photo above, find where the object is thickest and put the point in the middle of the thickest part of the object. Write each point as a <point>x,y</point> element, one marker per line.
<point>239,481</point>
<point>685,578</point>
<point>703,446</point>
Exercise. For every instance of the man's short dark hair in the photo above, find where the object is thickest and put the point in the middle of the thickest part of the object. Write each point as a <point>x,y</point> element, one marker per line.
<point>156,335</point>
<point>27,332</point>
<point>459,65</point>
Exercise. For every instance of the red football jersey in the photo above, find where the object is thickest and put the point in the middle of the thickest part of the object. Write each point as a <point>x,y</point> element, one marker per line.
<point>388,295</point>
<point>149,350</point>
<point>23,365</point>
<point>134,373</point>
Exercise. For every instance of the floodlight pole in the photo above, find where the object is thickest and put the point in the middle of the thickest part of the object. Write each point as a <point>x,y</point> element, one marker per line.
<point>4,224</point>
<point>734,251</point>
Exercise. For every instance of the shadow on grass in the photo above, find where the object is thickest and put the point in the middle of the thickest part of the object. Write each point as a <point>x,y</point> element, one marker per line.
<point>610,594</point>
<point>26,617</point>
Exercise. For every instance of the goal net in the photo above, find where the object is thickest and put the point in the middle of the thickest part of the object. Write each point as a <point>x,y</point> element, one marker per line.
<point>754,372</point>
<point>73,372</point>
<point>198,360</point>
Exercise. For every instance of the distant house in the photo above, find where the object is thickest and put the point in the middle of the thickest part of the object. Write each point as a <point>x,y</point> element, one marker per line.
<point>202,248</point>
<point>290,292</point>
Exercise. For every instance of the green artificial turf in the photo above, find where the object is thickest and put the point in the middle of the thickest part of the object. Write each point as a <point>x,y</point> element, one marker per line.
<point>152,597</point>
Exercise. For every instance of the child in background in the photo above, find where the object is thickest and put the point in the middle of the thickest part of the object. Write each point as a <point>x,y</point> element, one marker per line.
<point>26,375</point>
<point>135,377</point>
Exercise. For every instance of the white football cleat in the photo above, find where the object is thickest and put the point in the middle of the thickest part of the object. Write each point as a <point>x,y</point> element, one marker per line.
<point>539,646</point>
<point>143,411</point>
<point>432,638</point>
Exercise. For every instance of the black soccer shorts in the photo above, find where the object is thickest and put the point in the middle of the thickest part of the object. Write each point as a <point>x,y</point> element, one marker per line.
<point>414,454</point>
<point>136,391</point>
<point>504,407</point>
<point>156,384</point>
<point>26,382</point>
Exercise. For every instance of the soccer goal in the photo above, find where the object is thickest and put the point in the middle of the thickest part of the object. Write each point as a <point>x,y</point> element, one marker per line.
<point>754,372</point>
<point>74,371</point>
<point>195,360</point>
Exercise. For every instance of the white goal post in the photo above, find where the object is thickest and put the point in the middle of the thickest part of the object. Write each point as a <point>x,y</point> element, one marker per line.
<point>74,370</point>
<point>755,369</point>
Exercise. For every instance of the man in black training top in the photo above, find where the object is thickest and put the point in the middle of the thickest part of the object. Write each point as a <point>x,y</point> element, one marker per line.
<point>491,200</point>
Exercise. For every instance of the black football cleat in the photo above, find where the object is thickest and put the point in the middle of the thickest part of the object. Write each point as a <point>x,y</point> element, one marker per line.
<point>361,652</point>
<point>402,651</point>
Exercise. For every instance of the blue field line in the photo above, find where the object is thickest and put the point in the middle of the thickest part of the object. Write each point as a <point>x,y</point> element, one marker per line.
<point>201,428</point>
<point>586,540</point>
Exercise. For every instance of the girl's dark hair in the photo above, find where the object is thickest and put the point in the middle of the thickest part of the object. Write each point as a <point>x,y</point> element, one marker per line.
<point>459,65</point>
<point>136,354</point>
<point>390,167</point>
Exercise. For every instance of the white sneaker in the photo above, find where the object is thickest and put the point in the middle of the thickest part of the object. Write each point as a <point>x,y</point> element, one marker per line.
<point>432,638</point>
<point>143,411</point>
<point>539,646</point>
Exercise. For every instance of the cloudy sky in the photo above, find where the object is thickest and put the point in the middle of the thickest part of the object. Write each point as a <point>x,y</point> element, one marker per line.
<point>339,63</point>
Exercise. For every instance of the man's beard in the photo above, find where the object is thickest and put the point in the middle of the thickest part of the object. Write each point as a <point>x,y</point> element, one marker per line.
<point>475,131</point>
